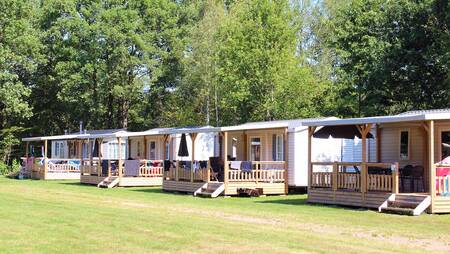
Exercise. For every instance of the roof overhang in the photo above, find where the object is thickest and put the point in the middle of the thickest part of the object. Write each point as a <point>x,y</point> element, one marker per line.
<point>57,137</point>
<point>379,119</point>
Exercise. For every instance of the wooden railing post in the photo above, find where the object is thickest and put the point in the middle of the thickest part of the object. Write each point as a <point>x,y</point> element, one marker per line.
<point>395,170</point>
<point>177,167</point>
<point>334,176</point>
<point>364,177</point>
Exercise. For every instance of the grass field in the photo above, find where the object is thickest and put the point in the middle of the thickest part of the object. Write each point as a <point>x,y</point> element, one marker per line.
<point>66,217</point>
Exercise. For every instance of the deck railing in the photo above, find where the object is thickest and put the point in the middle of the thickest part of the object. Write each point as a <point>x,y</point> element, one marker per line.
<point>36,164</point>
<point>442,179</point>
<point>188,174</point>
<point>261,171</point>
<point>151,168</point>
<point>351,176</point>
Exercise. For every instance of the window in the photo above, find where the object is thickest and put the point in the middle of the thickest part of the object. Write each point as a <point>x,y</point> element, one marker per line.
<point>445,144</point>
<point>167,147</point>
<point>138,149</point>
<point>404,145</point>
<point>152,150</point>
<point>277,147</point>
<point>234,147</point>
<point>255,149</point>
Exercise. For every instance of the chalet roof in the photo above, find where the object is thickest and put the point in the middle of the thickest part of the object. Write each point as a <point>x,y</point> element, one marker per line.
<point>410,116</point>
<point>290,124</point>
<point>85,135</point>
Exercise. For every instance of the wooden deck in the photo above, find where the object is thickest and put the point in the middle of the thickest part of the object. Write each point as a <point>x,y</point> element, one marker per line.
<point>347,198</point>
<point>268,176</point>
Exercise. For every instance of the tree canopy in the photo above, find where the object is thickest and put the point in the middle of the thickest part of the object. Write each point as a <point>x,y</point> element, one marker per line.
<point>140,64</point>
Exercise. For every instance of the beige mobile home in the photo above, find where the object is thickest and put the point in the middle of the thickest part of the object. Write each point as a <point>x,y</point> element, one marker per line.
<point>409,174</point>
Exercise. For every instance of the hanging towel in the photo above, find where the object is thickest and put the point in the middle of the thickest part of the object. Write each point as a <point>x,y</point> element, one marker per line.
<point>246,166</point>
<point>196,165</point>
<point>187,165</point>
<point>132,167</point>
<point>235,164</point>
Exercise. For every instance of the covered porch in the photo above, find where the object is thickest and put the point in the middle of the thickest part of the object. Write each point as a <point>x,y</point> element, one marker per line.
<point>407,175</point>
<point>241,164</point>
<point>45,167</point>
<point>137,161</point>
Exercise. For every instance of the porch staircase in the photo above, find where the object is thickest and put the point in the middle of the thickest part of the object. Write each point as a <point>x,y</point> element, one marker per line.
<point>109,182</point>
<point>407,204</point>
<point>211,190</point>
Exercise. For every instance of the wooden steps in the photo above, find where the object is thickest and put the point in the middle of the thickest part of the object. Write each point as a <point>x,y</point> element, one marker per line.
<point>211,190</point>
<point>109,182</point>
<point>408,204</point>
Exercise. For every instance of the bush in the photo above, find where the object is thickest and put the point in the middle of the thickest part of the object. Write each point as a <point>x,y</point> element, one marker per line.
<point>6,169</point>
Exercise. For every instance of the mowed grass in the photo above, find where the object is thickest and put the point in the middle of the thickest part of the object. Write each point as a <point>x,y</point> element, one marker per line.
<point>66,217</point>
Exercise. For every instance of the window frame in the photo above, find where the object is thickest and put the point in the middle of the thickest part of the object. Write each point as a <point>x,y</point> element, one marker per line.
<point>408,156</point>
<point>279,140</point>
<point>150,141</point>
<point>261,147</point>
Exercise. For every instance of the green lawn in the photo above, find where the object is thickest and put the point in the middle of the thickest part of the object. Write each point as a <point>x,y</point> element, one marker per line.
<point>65,217</point>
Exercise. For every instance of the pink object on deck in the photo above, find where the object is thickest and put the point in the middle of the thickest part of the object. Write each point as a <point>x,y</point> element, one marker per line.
<point>442,171</point>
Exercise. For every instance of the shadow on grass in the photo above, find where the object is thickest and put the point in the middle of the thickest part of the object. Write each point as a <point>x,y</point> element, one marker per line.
<point>304,202</point>
<point>152,190</point>
<point>78,184</point>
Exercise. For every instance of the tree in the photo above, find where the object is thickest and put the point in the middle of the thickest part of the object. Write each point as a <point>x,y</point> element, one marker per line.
<point>260,72</point>
<point>196,99</point>
<point>392,56</point>
<point>19,56</point>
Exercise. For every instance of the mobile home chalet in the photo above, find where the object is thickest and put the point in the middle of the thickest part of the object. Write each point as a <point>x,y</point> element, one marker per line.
<point>409,174</point>
<point>146,156</point>
<point>60,156</point>
<point>269,157</point>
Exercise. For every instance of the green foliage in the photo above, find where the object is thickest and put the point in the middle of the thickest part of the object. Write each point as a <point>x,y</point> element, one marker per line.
<point>6,169</point>
<point>141,64</point>
<point>392,56</point>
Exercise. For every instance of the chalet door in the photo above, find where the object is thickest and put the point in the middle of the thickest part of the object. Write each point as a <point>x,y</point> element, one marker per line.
<point>255,149</point>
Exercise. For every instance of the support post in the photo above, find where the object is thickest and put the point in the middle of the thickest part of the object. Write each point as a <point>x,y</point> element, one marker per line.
<point>177,167</point>
<point>119,161</point>
<point>364,130</point>
<point>286,161</point>
<point>45,159</point>
<point>225,166</point>
<point>311,130</point>
<point>145,148</point>
<point>80,153</point>
<point>334,177</point>
<point>128,152</point>
<point>378,142</point>
<point>193,137</point>
<point>90,148</point>
<point>100,166</point>
<point>395,178</point>
<point>27,167</point>
<point>431,166</point>
<point>245,155</point>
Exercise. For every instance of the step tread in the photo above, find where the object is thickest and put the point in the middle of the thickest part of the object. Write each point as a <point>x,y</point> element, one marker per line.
<point>398,210</point>
<point>403,204</point>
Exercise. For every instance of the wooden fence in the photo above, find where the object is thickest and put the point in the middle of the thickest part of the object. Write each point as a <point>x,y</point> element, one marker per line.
<point>354,176</point>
